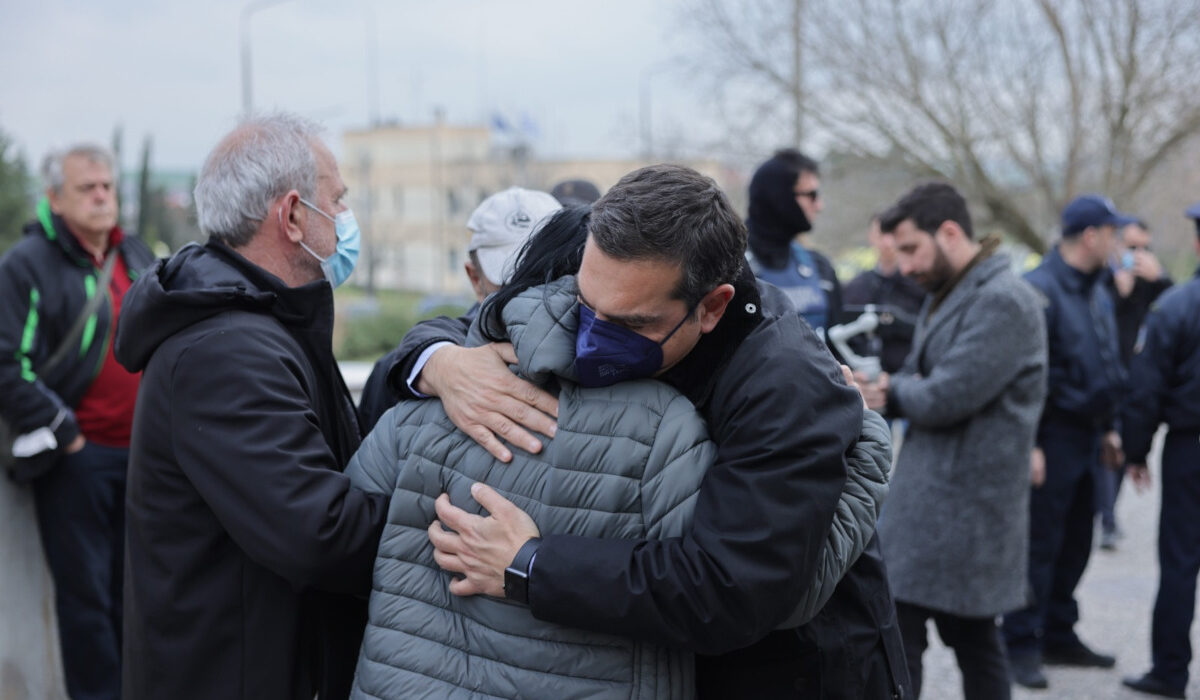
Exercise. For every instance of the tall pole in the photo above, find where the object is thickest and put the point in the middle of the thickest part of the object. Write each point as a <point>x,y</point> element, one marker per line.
<point>647,122</point>
<point>244,34</point>
<point>798,72</point>
<point>372,27</point>
<point>646,106</point>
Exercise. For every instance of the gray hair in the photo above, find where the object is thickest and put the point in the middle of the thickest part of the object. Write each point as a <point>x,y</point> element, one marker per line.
<point>52,166</point>
<point>258,162</point>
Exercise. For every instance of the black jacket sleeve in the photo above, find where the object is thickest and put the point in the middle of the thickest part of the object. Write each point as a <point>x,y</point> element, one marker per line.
<point>1150,372</point>
<point>246,435</point>
<point>782,418</point>
<point>377,396</point>
<point>28,403</point>
<point>422,335</point>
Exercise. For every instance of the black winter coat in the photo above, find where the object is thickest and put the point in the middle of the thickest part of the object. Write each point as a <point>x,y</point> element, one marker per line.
<point>247,548</point>
<point>1165,375</point>
<point>1131,310</point>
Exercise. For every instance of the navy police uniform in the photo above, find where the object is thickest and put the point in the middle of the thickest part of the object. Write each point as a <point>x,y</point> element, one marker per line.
<point>1086,378</point>
<point>1166,388</point>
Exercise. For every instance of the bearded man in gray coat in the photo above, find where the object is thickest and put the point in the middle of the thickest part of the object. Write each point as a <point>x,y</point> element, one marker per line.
<point>956,529</point>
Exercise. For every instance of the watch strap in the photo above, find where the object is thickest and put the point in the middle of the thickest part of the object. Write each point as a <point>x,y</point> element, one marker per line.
<point>516,576</point>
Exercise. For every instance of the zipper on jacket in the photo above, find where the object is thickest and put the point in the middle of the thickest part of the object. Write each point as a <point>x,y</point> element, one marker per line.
<point>31,323</point>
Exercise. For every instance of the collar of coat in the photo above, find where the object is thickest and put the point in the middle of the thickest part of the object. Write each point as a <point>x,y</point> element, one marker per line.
<point>695,375</point>
<point>1072,279</point>
<point>987,248</point>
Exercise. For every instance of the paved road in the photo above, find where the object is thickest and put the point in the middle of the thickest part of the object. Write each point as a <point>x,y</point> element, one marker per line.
<point>1115,597</point>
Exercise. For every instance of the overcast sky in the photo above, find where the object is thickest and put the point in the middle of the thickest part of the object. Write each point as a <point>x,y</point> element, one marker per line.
<point>72,70</point>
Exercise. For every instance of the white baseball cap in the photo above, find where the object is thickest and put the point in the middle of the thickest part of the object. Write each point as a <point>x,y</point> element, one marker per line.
<point>502,223</point>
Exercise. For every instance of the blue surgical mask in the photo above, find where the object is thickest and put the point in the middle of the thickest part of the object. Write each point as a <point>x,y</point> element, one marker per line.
<point>606,353</point>
<point>337,267</point>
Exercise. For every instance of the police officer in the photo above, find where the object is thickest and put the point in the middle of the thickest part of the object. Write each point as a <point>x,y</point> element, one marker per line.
<point>1086,379</point>
<point>1165,382</point>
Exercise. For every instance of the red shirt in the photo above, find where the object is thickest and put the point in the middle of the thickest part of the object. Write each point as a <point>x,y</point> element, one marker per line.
<point>105,413</point>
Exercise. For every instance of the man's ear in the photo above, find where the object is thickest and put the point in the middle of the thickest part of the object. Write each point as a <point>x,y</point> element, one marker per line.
<point>949,232</point>
<point>290,216</point>
<point>712,306</point>
<point>476,278</point>
<point>52,197</point>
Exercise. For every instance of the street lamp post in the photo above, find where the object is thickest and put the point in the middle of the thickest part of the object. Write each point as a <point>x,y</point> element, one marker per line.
<point>645,103</point>
<point>244,33</point>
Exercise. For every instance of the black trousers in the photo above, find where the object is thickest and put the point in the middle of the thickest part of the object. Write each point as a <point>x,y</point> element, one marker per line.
<point>1178,558</point>
<point>81,517</point>
<point>1061,513</point>
<point>976,643</point>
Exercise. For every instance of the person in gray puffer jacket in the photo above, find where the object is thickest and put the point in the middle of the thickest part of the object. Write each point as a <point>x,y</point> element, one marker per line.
<point>626,462</point>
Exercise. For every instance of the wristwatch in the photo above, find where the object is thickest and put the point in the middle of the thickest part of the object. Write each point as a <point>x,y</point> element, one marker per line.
<point>516,576</point>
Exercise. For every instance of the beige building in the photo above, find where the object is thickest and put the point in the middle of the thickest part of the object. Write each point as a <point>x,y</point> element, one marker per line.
<point>413,188</point>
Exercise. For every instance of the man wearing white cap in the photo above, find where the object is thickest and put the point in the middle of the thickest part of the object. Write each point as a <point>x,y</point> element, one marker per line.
<point>499,226</point>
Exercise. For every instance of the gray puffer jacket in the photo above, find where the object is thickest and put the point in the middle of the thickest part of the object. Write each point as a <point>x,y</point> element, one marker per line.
<point>627,462</point>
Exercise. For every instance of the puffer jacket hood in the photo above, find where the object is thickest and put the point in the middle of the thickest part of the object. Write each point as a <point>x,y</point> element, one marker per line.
<point>775,216</point>
<point>544,342</point>
<point>199,282</point>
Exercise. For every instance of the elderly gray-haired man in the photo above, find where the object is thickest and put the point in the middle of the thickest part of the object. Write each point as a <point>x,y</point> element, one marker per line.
<point>68,402</point>
<point>246,542</point>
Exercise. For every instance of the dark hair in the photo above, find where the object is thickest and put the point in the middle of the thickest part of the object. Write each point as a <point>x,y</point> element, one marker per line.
<point>929,206</point>
<point>889,219</point>
<point>798,161</point>
<point>554,251</point>
<point>673,214</point>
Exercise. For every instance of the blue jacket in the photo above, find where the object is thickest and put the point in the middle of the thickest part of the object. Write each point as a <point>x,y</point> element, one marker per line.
<point>1086,378</point>
<point>1165,371</point>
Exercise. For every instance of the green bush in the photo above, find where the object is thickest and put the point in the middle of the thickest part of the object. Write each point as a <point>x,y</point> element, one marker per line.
<point>367,338</point>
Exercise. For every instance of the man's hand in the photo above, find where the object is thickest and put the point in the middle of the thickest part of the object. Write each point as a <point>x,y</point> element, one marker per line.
<point>1037,468</point>
<point>1139,474</point>
<point>874,392</point>
<point>1146,266</point>
<point>1111,454</point>
<point>848,375</point>
<point>486,400</point>
<point>76,444</point>
<point>479,548</point>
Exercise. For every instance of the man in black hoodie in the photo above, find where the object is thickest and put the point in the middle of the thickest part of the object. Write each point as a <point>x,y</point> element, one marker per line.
<point>784,200</point>
<point>246,544</point>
